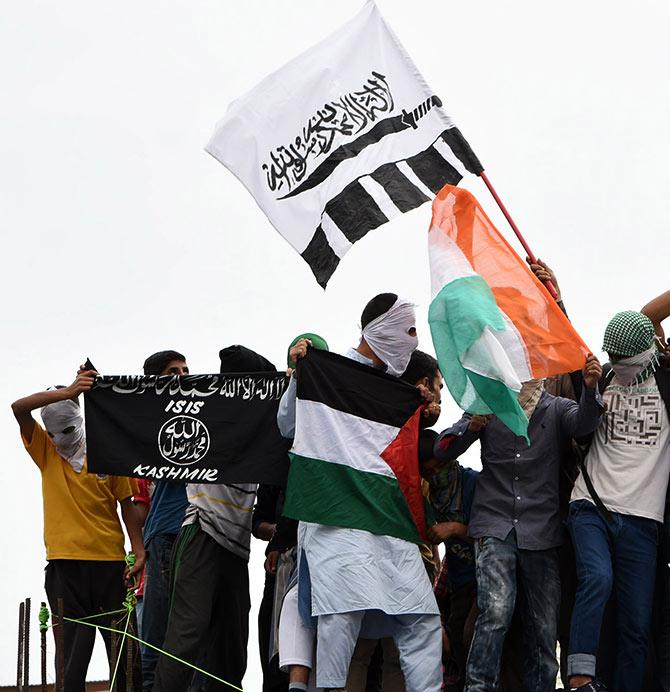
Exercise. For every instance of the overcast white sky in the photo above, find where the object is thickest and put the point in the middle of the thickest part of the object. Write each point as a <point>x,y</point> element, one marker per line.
<point>121,236</point>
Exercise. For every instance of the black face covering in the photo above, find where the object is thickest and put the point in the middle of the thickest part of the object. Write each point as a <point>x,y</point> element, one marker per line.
<point>238,358</point>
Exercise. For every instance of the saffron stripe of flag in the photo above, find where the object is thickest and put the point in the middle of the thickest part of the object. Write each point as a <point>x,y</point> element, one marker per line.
<point>354,461</point>
<point>494,325</point>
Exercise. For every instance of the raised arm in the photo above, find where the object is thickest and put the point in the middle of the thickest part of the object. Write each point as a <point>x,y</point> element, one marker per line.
<point>658,310</point>
<point>286,410</point>
<point>545,273</point>
<point>579,420</point>
<point>452,442</point>
<point>22,408</point>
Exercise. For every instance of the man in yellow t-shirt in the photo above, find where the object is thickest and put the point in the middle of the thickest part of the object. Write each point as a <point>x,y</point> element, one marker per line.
<point>82,532</point>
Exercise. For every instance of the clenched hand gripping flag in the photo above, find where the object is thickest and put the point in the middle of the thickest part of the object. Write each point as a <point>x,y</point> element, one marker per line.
<point>494,325</point>
<point>354,461</point>
<point>340,140</point>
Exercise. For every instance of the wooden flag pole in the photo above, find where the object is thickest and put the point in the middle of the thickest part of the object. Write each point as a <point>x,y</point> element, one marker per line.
<point>531,256</point>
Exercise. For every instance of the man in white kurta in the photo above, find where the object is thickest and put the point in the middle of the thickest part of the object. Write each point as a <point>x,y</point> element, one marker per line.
<point>358,583</point>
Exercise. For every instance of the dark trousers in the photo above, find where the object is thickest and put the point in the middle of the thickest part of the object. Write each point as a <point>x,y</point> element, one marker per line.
<point>156,602</point>
<point>661,631</point>
<point>498,563</point>
<point>462,617</point>
<point>209,614</point>
<point>87,587</point>
<point>274,680</point>
<point>620,555</point>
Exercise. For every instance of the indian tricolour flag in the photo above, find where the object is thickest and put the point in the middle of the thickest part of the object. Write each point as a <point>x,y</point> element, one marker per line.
<point>354,461</point>
<point>494,325</point>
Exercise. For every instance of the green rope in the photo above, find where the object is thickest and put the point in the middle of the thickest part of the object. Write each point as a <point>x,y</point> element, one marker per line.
<point>99,615</point>
<point>129,604</point>
<point>44,619</point>
<point>160,651</point>
<point>44,612</point>
<point>130,563</point>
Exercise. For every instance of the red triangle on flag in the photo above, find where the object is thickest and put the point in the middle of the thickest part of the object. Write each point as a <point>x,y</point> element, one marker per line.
<point>402,455</point>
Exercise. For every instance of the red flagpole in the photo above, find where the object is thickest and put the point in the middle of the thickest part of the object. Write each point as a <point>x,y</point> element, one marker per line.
<point>515,228</point>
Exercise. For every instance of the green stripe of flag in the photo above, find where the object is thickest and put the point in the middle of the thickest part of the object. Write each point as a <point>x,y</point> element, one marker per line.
<point>458,315</point>
<point>323,492</point>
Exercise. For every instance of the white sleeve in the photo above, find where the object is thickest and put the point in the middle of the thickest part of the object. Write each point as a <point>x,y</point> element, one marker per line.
<point>286,410</point>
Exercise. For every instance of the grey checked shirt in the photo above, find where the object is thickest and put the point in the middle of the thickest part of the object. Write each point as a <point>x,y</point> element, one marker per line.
<point>518,485</point>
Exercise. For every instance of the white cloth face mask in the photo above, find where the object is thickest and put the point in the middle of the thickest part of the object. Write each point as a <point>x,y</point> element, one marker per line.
<point>60,416</point>
<point>628,369</point>
<point>388,336</point>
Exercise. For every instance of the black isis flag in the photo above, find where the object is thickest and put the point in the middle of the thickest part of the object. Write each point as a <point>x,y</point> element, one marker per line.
<point>193,428</point>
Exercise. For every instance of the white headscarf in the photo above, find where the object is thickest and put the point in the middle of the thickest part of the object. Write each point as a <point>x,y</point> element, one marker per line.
<point>71,446</point>
<point>529,396</point>
<point>387,335</point>
<point>636,369</point>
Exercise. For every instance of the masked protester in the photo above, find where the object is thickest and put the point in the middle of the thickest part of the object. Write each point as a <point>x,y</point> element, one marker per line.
<point>618,502</point>
<point>82,532</point>
<point>516,524</point>
<point>404,608</point>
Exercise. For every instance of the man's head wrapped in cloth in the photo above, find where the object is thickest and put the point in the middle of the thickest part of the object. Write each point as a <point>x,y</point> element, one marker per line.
<point>65,426</point>
<point>630,342</point>
<point>388,325</point>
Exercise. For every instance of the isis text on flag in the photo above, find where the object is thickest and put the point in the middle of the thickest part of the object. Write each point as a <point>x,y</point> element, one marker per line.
<point>354,461</point>
<point>340,140</point>
<point>194,428</point>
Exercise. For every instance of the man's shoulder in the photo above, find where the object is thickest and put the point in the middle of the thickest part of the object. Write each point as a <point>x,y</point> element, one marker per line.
<point>470,477</point>
<point>469,474</point>
<point>41,449</point>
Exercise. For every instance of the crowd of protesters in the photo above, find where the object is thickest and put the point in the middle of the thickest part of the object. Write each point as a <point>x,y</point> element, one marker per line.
<point>552,561</point>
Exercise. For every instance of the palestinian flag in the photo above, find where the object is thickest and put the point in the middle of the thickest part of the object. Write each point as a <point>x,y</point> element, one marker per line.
<point>494,324</point>
<point>354,461</point>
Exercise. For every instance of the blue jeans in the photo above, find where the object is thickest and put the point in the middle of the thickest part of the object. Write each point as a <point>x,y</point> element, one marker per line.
<point>619,555</point>
<point>498,564</point>
<point>156,602</point>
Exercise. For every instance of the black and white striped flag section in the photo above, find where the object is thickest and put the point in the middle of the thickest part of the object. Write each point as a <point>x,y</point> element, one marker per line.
<point>194,428</point>
<point>340,140</point>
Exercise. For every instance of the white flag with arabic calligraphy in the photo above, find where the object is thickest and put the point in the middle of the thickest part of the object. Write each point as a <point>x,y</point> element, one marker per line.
<point>340,140</point>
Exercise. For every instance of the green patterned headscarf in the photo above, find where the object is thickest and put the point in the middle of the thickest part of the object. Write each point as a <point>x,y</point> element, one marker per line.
<point>629,341</point>
<point>628,333</point>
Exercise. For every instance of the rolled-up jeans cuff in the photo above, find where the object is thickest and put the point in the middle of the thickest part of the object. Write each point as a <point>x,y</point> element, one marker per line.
<point>582,664</point>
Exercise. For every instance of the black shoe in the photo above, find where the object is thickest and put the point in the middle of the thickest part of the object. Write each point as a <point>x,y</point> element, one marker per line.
<point>593,686</point>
